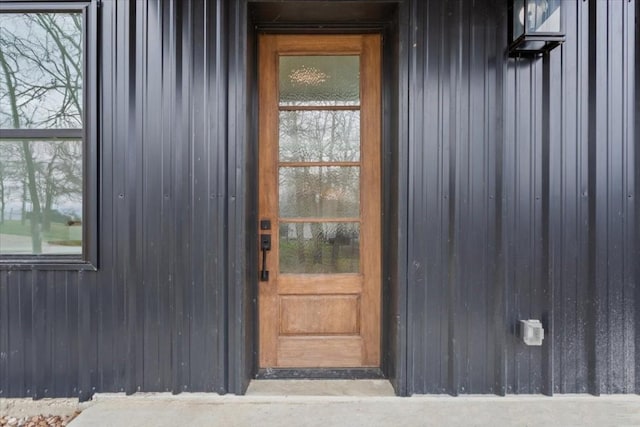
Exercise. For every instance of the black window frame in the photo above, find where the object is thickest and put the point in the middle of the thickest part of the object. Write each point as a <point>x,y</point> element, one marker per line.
<point>88,259</point>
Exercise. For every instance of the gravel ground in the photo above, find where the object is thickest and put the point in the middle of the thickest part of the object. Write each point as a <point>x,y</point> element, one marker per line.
<point>47,412</point>
<point>37,420</point>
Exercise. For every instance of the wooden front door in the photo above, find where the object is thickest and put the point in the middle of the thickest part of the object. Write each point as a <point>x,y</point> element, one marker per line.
<point>319,207</point>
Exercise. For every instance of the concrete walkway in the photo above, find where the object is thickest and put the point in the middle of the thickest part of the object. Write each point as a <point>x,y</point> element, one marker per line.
<point>264,408</point>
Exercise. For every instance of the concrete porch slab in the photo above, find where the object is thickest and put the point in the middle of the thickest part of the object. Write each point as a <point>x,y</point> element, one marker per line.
<point>320,388</point>
<point>164,410</point>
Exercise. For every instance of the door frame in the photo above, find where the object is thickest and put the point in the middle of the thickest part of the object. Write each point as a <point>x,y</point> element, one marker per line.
<point>245,19</point>
<point>361,290</point>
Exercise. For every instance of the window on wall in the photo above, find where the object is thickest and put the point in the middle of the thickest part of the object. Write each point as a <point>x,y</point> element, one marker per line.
<point>47,146</point>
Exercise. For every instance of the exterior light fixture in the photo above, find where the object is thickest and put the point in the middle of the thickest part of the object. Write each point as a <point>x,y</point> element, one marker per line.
<point>535,26</point>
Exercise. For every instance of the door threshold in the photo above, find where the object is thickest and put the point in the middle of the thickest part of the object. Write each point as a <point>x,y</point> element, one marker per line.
<point>320,387</point>
<point>320,374</point>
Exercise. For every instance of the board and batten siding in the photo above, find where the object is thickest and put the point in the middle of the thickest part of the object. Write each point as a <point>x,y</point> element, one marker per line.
<point>517,198</point>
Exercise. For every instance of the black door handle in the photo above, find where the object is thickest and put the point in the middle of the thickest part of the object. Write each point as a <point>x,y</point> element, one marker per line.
<point>265,245</point>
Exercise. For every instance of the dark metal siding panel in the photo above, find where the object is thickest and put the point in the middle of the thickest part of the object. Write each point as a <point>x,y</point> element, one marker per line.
<point>396,53</point>
<point>569,223</point>
<point>427,369</point>
<point>522,195</point>
<point>184,129</point>
<point>4,336</point>
<point>634,109</point>
<point>475,175</point>
<point>240,343</point>
<point>631,362</point>
<point>110,318</point>
<point>612,223</point>
<point>476,267</point>
<point>452,245</point>
<point>604,346</point>
<point>154,316</point>
<point>152,199</point>
<point>175,265</point>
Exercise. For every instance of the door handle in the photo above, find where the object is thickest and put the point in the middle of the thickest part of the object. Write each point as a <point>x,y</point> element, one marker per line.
<point>265,245</point>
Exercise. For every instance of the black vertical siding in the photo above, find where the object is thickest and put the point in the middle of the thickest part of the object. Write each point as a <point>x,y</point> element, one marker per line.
<point>635,37</point>
<point>569,173</point>
<point>516,189</point>
<point>396,53</point>
<point>455,109</point>
<point>154,316</point>
<point>522,180</point>
<point>611,150</point>
<point>165,110</point>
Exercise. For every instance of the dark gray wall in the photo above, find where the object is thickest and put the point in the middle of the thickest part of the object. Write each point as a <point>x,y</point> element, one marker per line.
<point>516,184</point>
<point>157,315</point>
<point>521,204</point>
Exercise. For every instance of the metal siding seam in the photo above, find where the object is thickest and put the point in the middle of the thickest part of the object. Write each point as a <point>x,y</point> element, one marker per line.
<point>56,303</point>
<point>609,225</point>
<point>465,227</point>
<point>20,304</point>
<point>452,218</point>
<point>630,304</point>
<point>106,279</point>
<point>152,198</point>
<point>186,143</point>
<point>598,200</point>
<point>493,116</point>
<point>545,277</point>
<point>171,108</point>
<point>146,300</point>
<point>583,296</point>
<point>5,328</point>
<point>634,112</point>
<point>412,359</point>
<point>26,317</point>
<point>120,196</point>
<point>235,214</point>
<point>558,212</point>
<point>137,192</point>
<point>615,197</point>
<point>634,12</point>
<point>167,235</point>
<point>401,382</point>
<point>50,329</point>
<point>72,347</point>
<point>85,387</point>
<point>199,372</point>
<point>36,351</point>
<point>499,306</point>
<point>182,146</point>
<point>221,170</point>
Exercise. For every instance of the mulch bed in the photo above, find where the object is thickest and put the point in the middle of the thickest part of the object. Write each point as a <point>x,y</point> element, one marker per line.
<point>38,420</point>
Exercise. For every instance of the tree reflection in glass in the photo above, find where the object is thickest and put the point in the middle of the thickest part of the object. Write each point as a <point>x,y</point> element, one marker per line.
<point>320,192</point>
<point>320,136</point>
<point>319,248</point>
<point>41,84</point>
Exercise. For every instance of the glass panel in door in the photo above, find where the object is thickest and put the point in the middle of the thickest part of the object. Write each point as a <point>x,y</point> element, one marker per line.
<point>319,164</point>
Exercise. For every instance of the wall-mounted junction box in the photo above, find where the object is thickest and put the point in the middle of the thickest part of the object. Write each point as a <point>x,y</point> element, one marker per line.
<point>531,332</point>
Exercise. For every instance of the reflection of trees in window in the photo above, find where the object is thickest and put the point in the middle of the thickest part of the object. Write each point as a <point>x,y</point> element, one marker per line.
<point>318,191</point>
<point>319,247</point>
<point>326,136</point>
<point>41,82</point>
<point>320,135</point>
